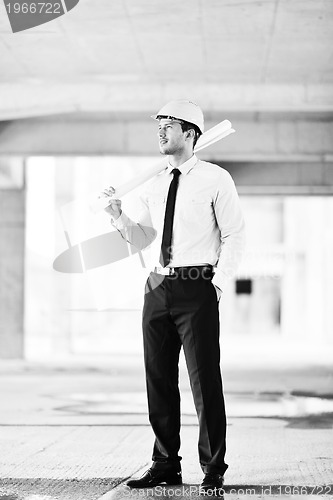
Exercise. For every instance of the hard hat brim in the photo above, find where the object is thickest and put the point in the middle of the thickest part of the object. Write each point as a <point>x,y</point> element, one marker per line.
<point>156,117</point>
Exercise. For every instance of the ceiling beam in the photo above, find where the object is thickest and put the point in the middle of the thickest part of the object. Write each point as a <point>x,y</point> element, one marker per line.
<point>27,99</point>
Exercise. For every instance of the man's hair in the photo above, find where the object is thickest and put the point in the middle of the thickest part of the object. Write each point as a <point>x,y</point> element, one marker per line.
<point>187,126</point>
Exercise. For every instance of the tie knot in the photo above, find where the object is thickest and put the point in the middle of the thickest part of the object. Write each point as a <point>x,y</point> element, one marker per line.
<point>176,172</point>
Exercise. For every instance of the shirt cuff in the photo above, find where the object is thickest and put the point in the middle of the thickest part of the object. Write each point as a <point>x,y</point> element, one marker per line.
<point>119,223</point>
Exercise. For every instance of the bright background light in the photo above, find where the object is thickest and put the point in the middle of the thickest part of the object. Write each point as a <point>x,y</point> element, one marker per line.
<point>283,288</point>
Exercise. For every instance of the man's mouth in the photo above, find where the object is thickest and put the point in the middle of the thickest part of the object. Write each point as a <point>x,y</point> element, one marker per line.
<point>163,141</point>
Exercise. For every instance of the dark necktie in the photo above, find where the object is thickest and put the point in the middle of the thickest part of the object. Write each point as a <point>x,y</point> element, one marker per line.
<point>168,219</point>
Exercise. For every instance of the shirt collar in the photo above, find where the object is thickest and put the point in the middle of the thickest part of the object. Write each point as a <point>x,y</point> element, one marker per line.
<point>184,167</point>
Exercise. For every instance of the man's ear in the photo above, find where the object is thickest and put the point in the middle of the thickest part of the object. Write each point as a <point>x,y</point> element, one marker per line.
<point>190,133</point>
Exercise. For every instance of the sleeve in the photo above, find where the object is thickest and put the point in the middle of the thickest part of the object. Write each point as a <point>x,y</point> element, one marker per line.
<point>141,233</point>
<point>230,221</point>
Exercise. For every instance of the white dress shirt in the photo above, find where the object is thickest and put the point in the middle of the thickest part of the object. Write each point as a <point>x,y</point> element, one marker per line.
<point>208,226</point>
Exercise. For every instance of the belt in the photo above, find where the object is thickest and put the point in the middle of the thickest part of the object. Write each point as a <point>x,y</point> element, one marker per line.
<point>185,271</point>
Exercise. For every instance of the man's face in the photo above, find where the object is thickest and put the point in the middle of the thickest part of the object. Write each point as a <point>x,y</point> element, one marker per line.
<point>171,137</point>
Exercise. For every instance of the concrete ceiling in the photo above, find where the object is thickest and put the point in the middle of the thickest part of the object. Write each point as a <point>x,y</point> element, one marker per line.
<point>132,55</point>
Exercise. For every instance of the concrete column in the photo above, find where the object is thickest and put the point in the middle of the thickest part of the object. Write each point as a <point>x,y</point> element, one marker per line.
<point>328,274</point>
<point>315,269</point>
<point>47,319</point>
<point>12,234</point>
<point>293,297</point>
<point>307,281</point>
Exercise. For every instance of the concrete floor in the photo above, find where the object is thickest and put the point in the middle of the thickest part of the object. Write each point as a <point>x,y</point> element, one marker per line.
<point>79,429</point>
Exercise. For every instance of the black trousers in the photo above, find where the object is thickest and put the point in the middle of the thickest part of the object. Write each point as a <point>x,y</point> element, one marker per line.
<point>184,312</point>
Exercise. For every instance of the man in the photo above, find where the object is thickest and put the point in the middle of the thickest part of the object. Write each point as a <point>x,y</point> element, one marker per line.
<point>191,214</point>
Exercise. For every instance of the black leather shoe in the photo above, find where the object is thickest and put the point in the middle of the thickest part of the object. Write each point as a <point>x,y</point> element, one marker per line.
<point>212,484</point>
<point>155,477</point>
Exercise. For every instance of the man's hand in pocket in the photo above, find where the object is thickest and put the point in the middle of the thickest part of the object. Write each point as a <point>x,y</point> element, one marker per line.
<point>218,292</point>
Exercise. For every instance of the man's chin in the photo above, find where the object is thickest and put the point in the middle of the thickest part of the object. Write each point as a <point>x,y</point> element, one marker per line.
<point>164,151</point>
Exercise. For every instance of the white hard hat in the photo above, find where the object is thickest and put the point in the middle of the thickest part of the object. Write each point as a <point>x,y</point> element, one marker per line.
<point>183,109</point>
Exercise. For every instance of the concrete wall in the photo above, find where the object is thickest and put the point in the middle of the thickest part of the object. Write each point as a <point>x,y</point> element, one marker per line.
<point>272,153</point>
<point>288,178</point>
<point>260,137</point>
